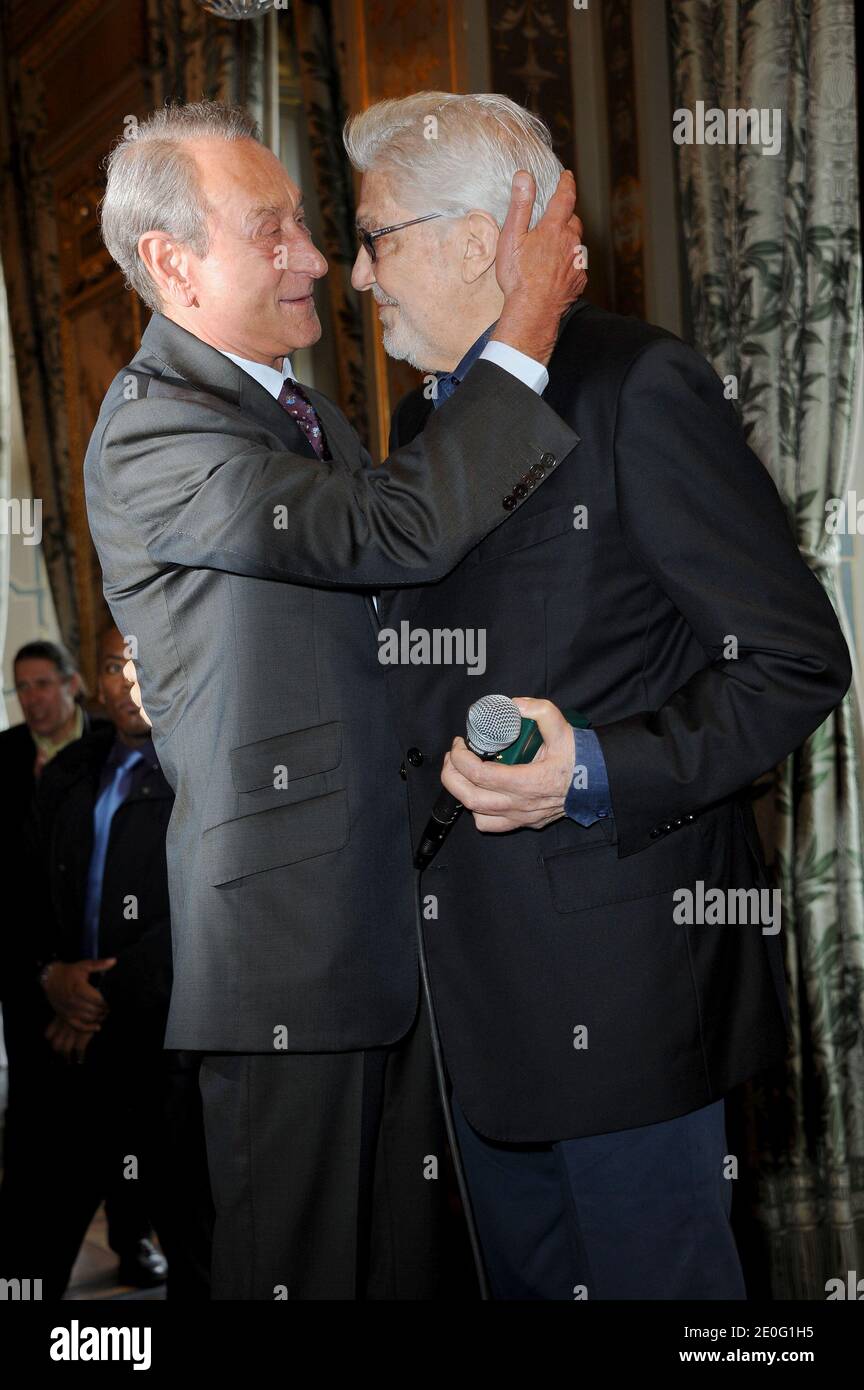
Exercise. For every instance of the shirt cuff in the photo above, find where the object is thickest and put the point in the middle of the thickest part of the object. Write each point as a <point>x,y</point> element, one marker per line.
<point>527,369</point>
<point>588,799</point>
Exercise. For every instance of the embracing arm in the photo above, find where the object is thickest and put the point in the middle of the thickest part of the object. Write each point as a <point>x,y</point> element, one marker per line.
<point>204,488</point>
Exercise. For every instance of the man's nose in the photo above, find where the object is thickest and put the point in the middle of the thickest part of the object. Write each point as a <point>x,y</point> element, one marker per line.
<point>304,259</point>
<point>363,272</point>
<point>315,265</point>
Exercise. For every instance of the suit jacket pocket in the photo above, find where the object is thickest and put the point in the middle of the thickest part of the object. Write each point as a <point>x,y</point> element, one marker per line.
<point>592,875</point>
<point>521,531</point>
<point>279,836</point>
<point>302,753</point>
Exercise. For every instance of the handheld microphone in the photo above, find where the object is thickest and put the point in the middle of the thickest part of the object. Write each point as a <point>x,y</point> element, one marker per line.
<point>493,724</point>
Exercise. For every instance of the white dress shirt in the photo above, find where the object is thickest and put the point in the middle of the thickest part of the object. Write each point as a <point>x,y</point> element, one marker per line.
<point>268,377</point>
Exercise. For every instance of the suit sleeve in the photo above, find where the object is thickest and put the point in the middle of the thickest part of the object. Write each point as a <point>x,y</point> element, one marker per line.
<point>203,491</point>
<point>701,515</point>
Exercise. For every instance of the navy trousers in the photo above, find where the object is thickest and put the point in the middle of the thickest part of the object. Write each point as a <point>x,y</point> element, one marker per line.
<point>639,1214</point>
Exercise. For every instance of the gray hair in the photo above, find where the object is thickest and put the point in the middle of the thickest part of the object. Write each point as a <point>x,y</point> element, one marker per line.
<point>452,153</point>
<point>153,183</point>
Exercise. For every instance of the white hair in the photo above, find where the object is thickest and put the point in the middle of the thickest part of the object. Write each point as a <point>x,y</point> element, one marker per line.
<point>153,183</point>
<point>452,154</point>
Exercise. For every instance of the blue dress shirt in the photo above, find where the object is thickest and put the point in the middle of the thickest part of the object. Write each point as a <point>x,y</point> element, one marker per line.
<point>121,771</point>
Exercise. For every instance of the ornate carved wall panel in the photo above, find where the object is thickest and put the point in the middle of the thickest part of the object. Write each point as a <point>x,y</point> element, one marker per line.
<point>530,62</point>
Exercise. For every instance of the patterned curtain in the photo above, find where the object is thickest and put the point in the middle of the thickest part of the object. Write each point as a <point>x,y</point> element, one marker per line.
<point>775,296</point>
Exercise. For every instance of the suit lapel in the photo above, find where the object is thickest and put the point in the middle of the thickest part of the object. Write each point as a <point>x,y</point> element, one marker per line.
<point>180,353</point>
<point>396,604</point>
<point>256,400</point>
<point>345,446</point>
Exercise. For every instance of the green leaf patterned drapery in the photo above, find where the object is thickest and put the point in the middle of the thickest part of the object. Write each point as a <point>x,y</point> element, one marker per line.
<point>775,297</point>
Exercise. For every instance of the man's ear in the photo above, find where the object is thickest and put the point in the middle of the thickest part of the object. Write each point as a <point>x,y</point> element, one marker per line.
<point>480,246</point>
<point>167,264</point>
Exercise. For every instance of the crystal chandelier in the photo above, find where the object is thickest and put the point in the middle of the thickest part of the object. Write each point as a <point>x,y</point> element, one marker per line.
<point>237,9</point>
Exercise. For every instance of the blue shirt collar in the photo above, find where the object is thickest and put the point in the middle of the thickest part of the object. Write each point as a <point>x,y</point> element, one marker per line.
<point>448,381</point>
<point>121,752</point>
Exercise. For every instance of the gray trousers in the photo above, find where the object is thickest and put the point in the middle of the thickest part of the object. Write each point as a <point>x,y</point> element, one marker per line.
<point>329,1173</point>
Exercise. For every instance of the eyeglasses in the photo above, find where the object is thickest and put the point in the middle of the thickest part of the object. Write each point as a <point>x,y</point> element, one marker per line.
<point>368,239</point>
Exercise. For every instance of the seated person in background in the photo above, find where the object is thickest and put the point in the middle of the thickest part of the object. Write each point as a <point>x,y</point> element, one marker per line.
<point>126,1109</point>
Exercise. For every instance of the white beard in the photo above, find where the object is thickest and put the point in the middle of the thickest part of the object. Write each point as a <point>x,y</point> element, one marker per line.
<point>403,347</point>
<point>403,343</point>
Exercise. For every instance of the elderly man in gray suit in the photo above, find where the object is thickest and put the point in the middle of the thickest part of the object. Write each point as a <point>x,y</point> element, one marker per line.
<point>241,532</point>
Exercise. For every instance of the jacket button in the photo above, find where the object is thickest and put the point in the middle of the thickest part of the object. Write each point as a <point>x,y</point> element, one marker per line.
<point>403,772</point>
<point>538,473</point>
<point>655,833</point>
<point>548,460</point>
<point>664,829</point>
<point>520,490</point>
<point>688,820</point>
<point>415,757</point>
<point>508,502</point>
<point>528,480</point>
<point>677,824</point>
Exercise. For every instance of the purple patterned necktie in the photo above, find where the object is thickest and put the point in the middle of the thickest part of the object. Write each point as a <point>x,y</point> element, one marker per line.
<point>293,398</point>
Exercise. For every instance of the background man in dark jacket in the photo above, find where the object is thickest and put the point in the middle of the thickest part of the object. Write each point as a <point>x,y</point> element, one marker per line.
<point>590,1025</point>
<point>50,692</point>
<point>126,1110</point>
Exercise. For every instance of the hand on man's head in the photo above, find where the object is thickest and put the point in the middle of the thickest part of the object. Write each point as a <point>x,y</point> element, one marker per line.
<point>540,271</point>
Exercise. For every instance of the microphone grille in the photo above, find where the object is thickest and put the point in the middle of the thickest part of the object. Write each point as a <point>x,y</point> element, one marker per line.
<point>493,723</point>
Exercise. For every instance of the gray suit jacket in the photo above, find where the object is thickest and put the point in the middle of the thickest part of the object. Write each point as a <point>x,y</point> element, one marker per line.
<point>238,560</point>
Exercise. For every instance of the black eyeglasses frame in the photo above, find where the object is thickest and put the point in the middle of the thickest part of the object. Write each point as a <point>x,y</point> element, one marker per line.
<point>368,239</point>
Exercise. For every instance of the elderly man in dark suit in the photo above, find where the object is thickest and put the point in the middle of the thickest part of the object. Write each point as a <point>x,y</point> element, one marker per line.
<point>593,1011</point>
<point>238,523</point>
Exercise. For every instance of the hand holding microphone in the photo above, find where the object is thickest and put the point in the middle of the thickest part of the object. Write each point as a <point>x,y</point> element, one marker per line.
<point>502,797</point>
<point>493,724</point>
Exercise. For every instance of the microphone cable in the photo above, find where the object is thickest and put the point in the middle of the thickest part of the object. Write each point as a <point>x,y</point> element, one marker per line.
<point>441,1075</point>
